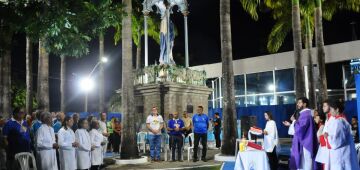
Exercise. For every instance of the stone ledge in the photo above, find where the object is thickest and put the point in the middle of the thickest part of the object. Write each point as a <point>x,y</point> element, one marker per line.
<point>222,158</point>
<point>141,160</point>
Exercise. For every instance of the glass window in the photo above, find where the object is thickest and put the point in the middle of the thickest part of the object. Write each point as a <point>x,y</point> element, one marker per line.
<point>261,100</point>
<point>284,80</point>
<point>240,101</point>
<point>349,78</point>
<point>239,85</point>
<point>259,83</point>
<point>286,98</point>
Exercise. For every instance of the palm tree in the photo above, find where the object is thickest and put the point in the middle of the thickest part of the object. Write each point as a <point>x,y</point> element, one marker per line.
<point>128,146</point>
<point>43,77</point>
<point>62,83</point>
<point>29,78</point>
<point>229,112</point>
<point>101,74</point>
<point>308,45</point>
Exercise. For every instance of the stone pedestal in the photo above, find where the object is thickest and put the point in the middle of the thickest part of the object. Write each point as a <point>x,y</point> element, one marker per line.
<point>170,97</point>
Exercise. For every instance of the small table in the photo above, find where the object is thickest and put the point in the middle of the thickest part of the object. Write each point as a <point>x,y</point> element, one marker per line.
<point>252,159</point>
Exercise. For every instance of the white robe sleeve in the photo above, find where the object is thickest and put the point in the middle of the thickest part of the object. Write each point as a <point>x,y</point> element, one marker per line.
<point>43,138</point>
<point>271,139</point>
<point>83,143</point>
<point>338,132</point>
<point>291,130</point>
<point>62,139</point>
<point>96,138</point>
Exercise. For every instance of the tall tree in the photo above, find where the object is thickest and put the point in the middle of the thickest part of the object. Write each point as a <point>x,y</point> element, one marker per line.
<point>29,76</point>
<point>229,113</point>
<point>129,146</point>
<point>296,29</point>
<point>308,45</point>
<point>62,83</point>
<point>43,77</point>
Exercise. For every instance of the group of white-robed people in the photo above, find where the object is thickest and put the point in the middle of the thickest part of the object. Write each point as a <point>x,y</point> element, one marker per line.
<point>80,150</point>
<point>339,152</point>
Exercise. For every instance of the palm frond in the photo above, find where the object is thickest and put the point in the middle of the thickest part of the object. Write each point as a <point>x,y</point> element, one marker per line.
<point>278,34</point>
<point>250,6</point>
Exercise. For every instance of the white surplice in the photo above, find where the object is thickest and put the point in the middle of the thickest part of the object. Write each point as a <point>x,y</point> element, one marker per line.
<point>291,130</point>
<point>271,139</point>
<point>45,139</point>
<point>97,154</point>
<point>66,137</point>
<point>103,129</point>
<point>83,152</point>
<point>342,155</point>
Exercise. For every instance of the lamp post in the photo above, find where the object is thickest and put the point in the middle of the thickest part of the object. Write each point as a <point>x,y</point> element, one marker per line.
<point>87,84</point>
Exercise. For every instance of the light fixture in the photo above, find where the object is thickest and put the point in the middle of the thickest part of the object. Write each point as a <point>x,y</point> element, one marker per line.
<point>104,60</point>
<point>271,87</point>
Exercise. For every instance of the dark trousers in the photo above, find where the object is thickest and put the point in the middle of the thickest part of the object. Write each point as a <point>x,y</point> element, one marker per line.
<point>203,138</point>
<point>115,142</point>
<point>273,159</point>
<point>217,139</point>
<point>186,133</point>
<point>95,167</point>
<point>177,143</point>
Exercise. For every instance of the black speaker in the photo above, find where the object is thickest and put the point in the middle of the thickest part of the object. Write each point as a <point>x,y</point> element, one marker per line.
<point>246,123</point>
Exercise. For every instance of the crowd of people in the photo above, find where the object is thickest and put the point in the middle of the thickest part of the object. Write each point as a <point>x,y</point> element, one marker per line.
<point>321,139</point>
<point>58,141</point>
<point>69,142</point>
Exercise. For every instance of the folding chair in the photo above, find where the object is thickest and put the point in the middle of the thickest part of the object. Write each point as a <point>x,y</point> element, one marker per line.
<point>23,159</point>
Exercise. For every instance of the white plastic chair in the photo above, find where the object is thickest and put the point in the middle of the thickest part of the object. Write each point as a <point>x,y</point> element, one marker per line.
<point>142,141</point>
<point>191,148</point>
<point>23,159</point>
<point>170,151</point>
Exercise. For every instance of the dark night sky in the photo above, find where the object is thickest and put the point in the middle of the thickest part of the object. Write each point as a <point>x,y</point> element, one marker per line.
<point>248,38</point>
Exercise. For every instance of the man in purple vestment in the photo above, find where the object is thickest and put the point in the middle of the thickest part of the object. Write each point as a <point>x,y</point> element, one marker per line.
<point>304,144</point>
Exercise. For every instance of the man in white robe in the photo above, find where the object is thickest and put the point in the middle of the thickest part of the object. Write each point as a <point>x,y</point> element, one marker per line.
<point>97,140</point>
<point>103,130</point>
<point>46,144</point>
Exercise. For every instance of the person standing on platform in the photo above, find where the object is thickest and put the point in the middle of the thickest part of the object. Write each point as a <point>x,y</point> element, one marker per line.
<point>201,125</point>
<point>46,143</point>
<point>217,129</point>
<point>154,124</point>
<point>103,131</point>
<point>83,152</point>
<point>304,143</point>
<point>16,135</point>
<point>271,140</point>
<point>188,126</point>
<point>67,145</point>
<point>110,129</point>
<point>176,127</point>
<point>341,153</point>
<point>116,136</point>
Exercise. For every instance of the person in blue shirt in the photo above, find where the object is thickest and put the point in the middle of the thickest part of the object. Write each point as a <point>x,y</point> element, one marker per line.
<point>58,122</point>
<point>176,127</point>
<point>34,127</point>
<point>201,125</point>
<point>17,137</point>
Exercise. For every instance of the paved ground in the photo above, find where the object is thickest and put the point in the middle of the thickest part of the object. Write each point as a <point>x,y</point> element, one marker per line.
<point>200,165</point>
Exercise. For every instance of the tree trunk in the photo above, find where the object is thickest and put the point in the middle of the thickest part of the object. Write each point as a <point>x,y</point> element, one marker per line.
<point>101,74</point>
<point>1,82</point>
<point>311,82</point>
<point>128,146</point>
<point>6,83</point>
<point>138,51</point>
<point>299,73</point>
<point>63,83</point>
<point>29,78</point>
<point>320,49</point>
<point>229,113</point>
<point>43,77</point>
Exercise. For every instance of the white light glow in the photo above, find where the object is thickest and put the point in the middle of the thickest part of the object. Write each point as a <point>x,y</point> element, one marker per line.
<point>87,84</point>
<point>104,60</point>
<point>271,87</point>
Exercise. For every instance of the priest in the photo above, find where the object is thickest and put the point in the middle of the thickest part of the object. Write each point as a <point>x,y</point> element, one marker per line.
<point>304,144</point>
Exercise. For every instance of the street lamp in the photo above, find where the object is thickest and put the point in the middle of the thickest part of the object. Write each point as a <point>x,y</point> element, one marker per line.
<point>87,84</point>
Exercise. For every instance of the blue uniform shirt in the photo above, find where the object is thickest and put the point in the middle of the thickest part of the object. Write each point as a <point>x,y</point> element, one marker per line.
<point>201,123</point>
<point>173,123</point>
<point>57,126</point>
<point>18,137</point>
<point>35,126</point>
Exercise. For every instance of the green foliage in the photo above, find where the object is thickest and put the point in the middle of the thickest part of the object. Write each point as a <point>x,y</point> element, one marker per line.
<point>18,93</point>
<point>281,13</point>
<point>250,6</point>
